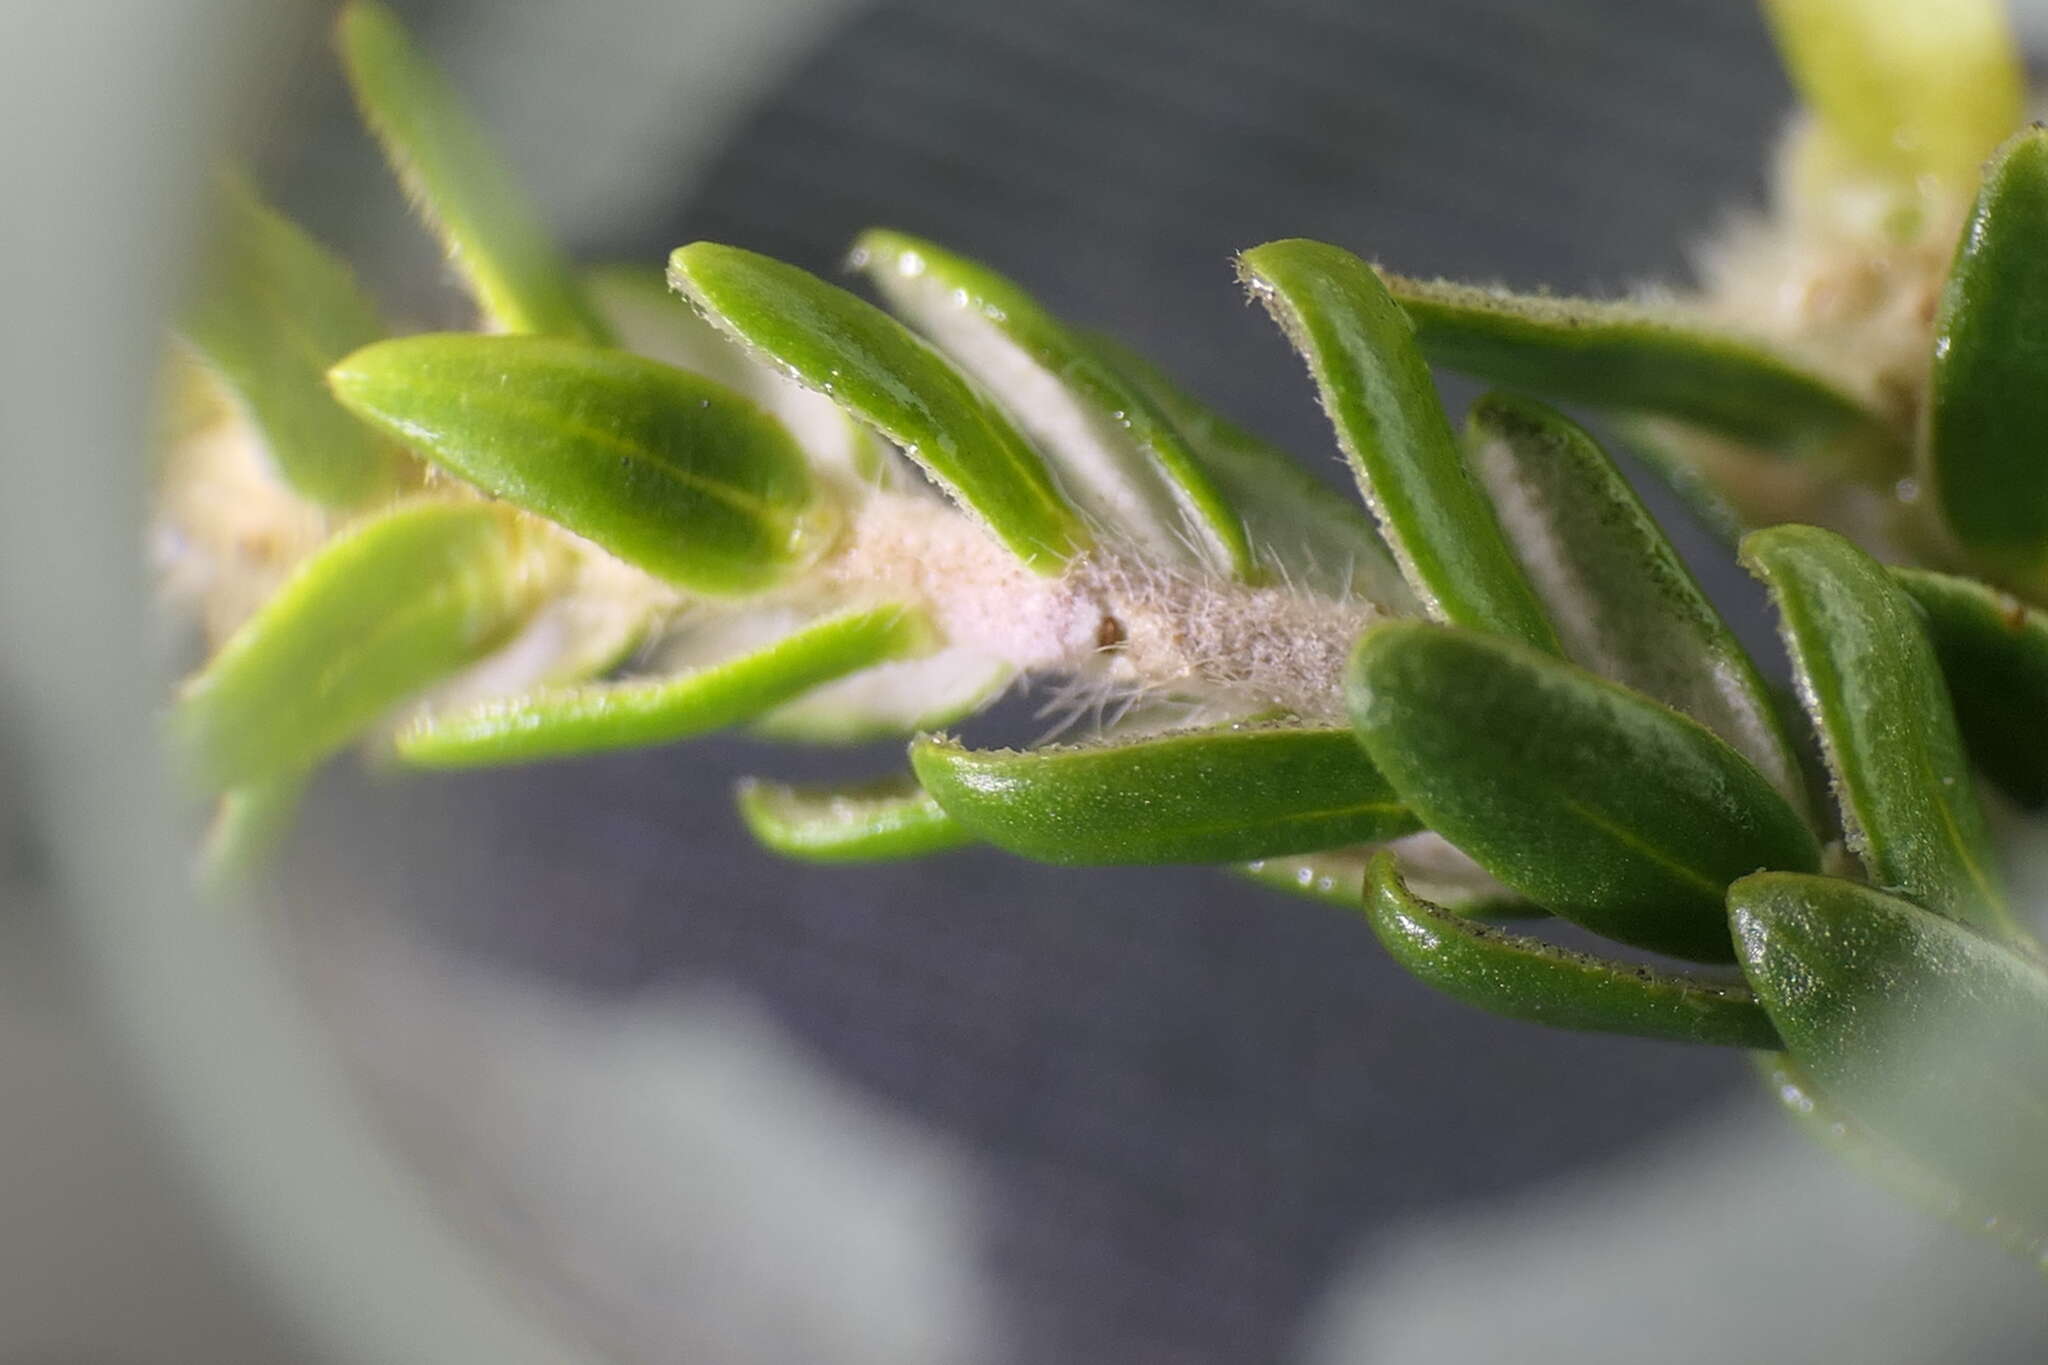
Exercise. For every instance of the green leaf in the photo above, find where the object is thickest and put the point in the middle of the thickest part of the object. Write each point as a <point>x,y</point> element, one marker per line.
<point>1624,603</point>
<point>874,822</point>
<point>1599,804</point>
<point>1906,87</point>
<point>1429,865</point>
<point>1208,796</point>
<point>1118,456</point>
<point>1994,657</point>
<point>273,310</point>
<point>564,722</point>
<point>1872,686</point>
<point>1986,450</point>
<point>649,319</point>
<point>1631,359</point>
<point>1361,351</point>
<point>1922,1028</point>
<point>891,700</point>
<point>667,471</point>
<point>1301,530</point>
<point>393,604</point>
<point>249,827</point>
<point>492,234</point>
<point>1526,978</point>
<point>879,372</point>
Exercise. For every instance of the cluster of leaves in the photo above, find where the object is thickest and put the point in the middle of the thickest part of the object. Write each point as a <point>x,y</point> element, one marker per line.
<point>1553,695</point>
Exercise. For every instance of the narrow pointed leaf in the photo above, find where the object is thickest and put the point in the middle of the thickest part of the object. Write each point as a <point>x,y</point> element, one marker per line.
<point>1601,805</point>
<point>250,826</point>
<point>492,233</point>
<point>1905,86</point>
<point>875,822</point>
<point>1300,529</point>
<point>1994,657</point>
<point>1526,978</point>
<point>1377,391</point>
<point>564,722</point>
<point>666,470</point>
<point>1924,1029</point>
<point>879,372</point>
<point>649,319</point>
<point>1871,683</point>
<point>387,608</point>
<point>1118,456</point>
<point>1204,797</point>
<point>1632,359</point>
<point>1427,864</point>
<point>273,310</point>
<point>1624,603</point>
<point>1986,450</point>
<point>891,700</point>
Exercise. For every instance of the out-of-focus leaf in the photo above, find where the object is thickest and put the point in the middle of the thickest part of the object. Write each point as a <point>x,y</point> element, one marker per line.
<point>1117,455</point>
<point>492,234</point>
<point>1994,657</point>
<point>668,471</point>
<point>564,722</point>
<point>879,372</point>
<point>1301,530</point>
<point>1906,86</point>
<point>1631,359</point>
<point>1922,1028</point>
<point>1624,604</point>
<point>1428,864</point>
<point>891,700</point>
<point>248,828</point>
<point>875,822</point>
<point>1986,450</point>
<point>1377,391</point>
<point>1526,978</point>
<point>1601,805</point>
<point>272,311</point>
<point>388,607</point>
<point>1208,796</point>
<point>650,320</point>
<point>1870,681</point>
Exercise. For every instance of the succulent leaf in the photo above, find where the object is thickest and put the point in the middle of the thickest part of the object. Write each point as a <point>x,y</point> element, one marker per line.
<point>391,605</point>
<point>1606,808</point>
<point>1526,978</point>
<point>568,721</point>
<point>1195,797</point>
<point>868,823</point>
<point>668,471</point>
<point>880,373</point>
<point>492,234</point>
<point>1872,685</point>
<point>1377,391</point>
<point>1993,650</point>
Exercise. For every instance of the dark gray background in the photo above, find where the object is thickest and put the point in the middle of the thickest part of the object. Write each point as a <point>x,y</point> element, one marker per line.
<point>1194,1096</point>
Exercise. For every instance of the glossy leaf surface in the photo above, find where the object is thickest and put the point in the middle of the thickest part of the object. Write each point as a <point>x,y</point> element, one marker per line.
<point>493,235</point>
<point>879,372</point>
<point>273,310</point>
<point>564,722</point>
<point>875,822</point>
<point>1427,864</point>
<point>1526,978</point>
<point>1871,683</point>
<point>1619,356</point>
<point>666,470</point>
<point>1377,391</point>
<point>1624,604</point>
<point>1987,429</point>
<point>387,608</point>
<point>1922,1028</point>
<point>1197,797</point>
<point>1116,454</point>
<point>1599,804</point>
<point>1993,650</point>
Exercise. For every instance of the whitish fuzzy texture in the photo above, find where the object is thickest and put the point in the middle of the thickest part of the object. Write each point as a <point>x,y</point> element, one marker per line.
<point>1112,615</point>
